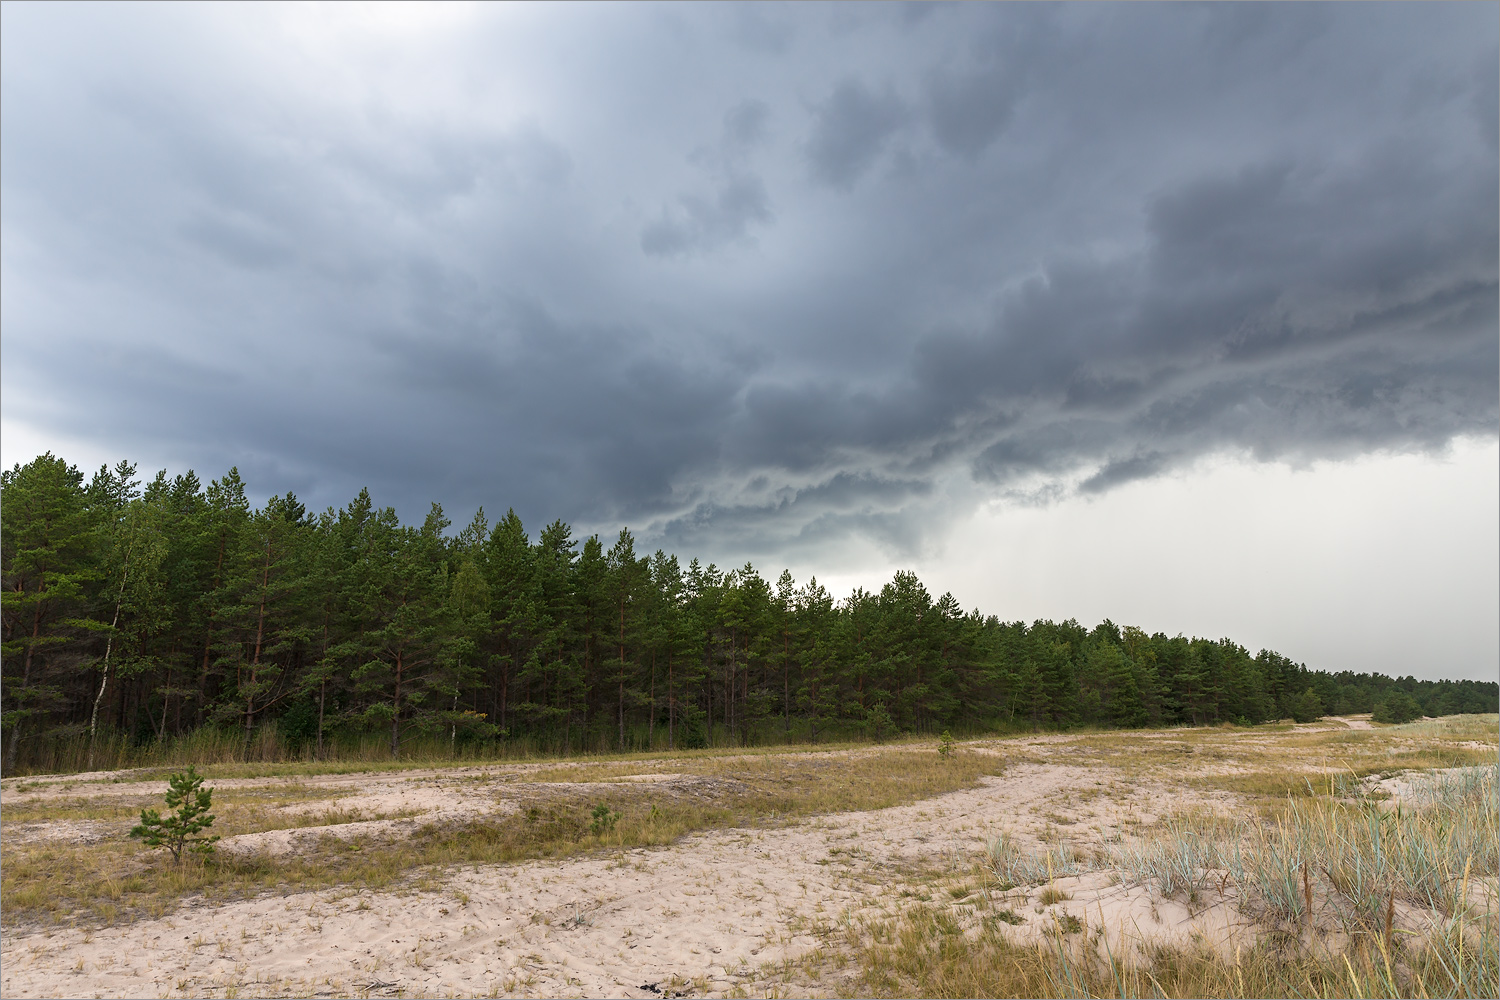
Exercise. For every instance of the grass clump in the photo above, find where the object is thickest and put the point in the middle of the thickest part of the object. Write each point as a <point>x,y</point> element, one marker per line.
<point>1012,865</point>
<point>921,954</point>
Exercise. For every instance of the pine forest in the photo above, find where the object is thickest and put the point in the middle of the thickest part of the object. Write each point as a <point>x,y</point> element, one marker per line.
<point>159,615</point>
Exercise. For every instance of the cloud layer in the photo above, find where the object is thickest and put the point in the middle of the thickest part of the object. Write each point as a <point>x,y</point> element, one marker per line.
<point>748,278</point>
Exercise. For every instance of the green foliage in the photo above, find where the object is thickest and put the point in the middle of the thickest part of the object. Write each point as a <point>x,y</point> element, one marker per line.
<point>299,725</point>
<point>155,614</point>
<point>946,747</point>
<point>604,819</point>
<point>180,831</point>
<point>1307,707</point>
<point>691,733</point>
<point>1398,707</point>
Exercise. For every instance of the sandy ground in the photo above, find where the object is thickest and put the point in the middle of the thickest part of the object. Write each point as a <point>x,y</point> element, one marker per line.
<point>713,914</point>
<point>721,913</point>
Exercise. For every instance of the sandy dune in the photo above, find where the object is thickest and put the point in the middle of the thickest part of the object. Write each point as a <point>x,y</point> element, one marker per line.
<point>712,914</point>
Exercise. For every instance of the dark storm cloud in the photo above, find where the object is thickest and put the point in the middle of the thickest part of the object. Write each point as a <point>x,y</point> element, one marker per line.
<point>748,278</point>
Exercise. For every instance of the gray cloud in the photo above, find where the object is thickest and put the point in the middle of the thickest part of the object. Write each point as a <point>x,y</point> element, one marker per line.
<point>701,224</point>
<point>709,223</point>
<point>746,124</point>
<point>580,270</point>
<point>850,130</point>
<point>970,104</point>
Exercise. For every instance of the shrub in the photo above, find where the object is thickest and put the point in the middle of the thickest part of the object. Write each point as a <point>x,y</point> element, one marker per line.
<point>879,722</point>
<point>1399,707</point>
<point>179,831</point>
<point>604,820</point>
<point>1307,707</point>
<point>691,733</point>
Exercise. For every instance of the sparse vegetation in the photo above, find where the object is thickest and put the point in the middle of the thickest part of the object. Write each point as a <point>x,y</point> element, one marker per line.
<point>1322,877</point>
<point>1353,822</point>
<point>109,882</point>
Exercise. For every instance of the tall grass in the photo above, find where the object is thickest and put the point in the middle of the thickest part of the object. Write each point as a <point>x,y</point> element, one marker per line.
<point>1013,865</point>
<point>1360,855</point>
<point>68,751</point>
<point>114,750</point>
<point>928,954</point>
<point>1324,878</point>
<point>1354,856</point>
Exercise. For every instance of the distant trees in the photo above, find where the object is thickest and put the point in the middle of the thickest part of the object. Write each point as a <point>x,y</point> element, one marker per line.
<point>1397,707</point>
<point>154,612</point>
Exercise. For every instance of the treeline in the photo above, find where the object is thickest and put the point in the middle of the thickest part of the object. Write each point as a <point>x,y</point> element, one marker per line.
<point>169,609</point>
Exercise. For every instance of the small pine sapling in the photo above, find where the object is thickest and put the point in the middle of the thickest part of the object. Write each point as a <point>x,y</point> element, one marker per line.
<point>945,745</point>
<point>179,831</point>
<point>604,820</point>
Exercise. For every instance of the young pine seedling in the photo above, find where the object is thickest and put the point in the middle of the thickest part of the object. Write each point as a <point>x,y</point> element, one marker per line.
<point>945,745</point>
<point>180,830</point>
<point>604,820</point>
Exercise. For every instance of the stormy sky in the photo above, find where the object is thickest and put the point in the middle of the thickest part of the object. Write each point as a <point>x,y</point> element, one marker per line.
<point>999,292</point>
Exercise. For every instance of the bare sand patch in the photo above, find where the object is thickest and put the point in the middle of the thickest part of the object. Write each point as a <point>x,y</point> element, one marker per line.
<point>66,831</point>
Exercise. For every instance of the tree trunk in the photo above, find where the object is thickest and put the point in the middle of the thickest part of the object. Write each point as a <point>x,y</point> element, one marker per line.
<point>671,701</point>
<point>15,733</point>
<point>622,669</point>
<point>729,689</point>
<point>322,684</point>
<point>322,694</point>
<point>208,635</point>
<point>396,712</point>
<point>166,701</point>
<point>812,716</point>
<point>108,646</point>
<point>786,682</point>
<point>260,631</point>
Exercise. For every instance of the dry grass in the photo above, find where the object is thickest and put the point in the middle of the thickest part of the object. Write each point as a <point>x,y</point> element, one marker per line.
<point>1438,852</point>
<point>929,953</point>
<point>119,880</point>
<point>1350,856</point>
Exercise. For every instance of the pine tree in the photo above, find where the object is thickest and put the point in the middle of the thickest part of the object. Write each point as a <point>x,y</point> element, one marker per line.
<point>182,829</point>
<point>626,576</point>
<point>510,570</point>
<point>263,627</point>
<point>557,667</point>
<point>45,570</point>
